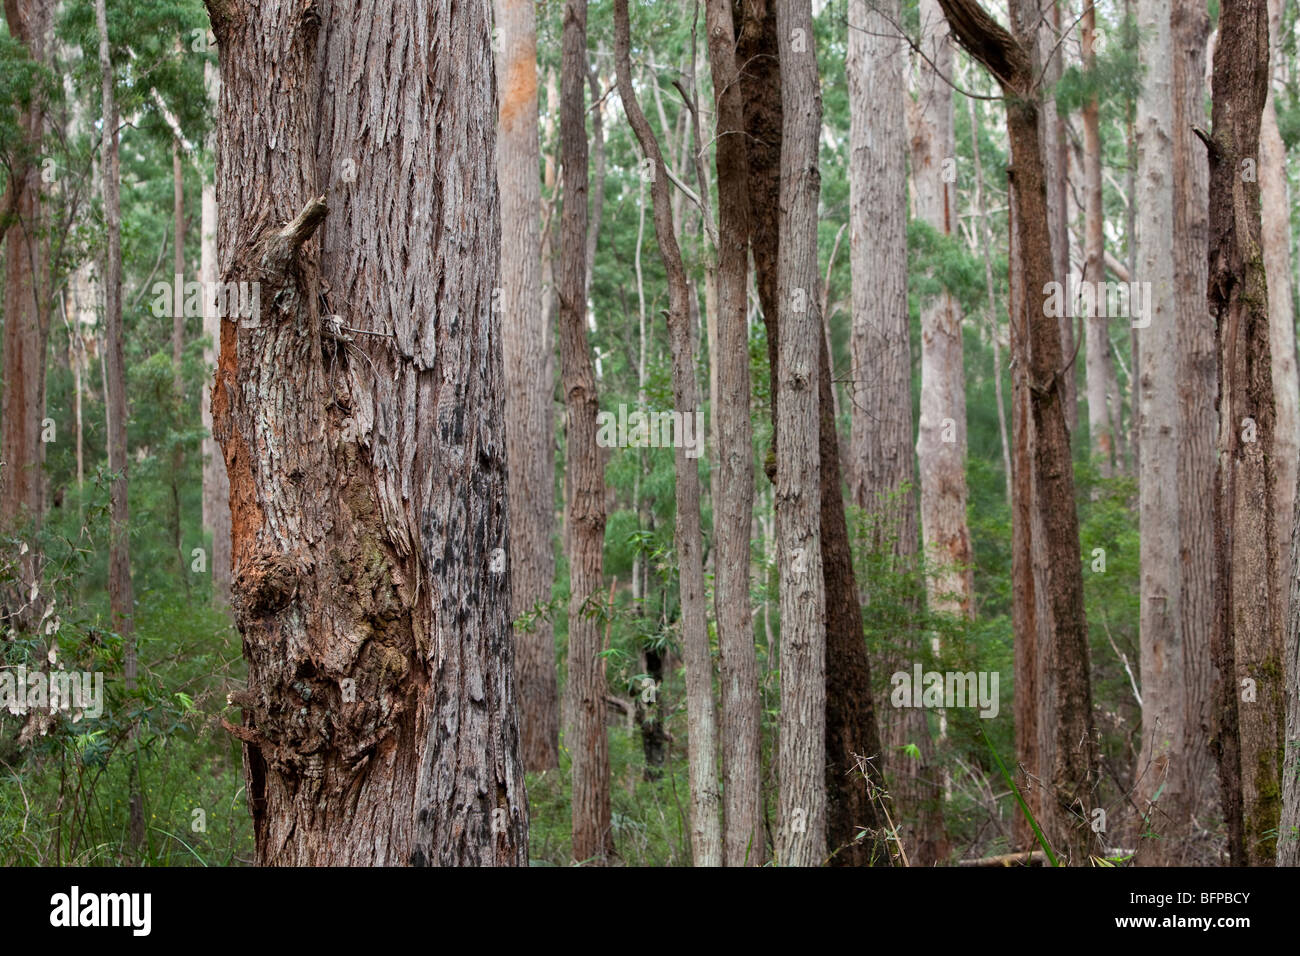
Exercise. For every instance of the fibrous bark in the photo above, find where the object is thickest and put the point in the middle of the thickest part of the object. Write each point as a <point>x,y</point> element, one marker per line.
<point>360,413</point>
<point>529,384</point>
<point>1247,641</point>
<point>741,717</point>
<point>585,479</point>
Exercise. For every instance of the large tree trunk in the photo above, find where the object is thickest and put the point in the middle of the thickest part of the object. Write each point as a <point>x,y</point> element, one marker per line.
<point>1248,631</point>
<point>882,470</point>
<point>360,415</point>
<point>1276,240</point>
<point>529,384</point>
<point>733,506</point>
<point>706,834</point>
<point>1176,390</point>
<point>1159,770</point>
<point>216,486</point>
<point>1066,758</point>
<point>27,307</point>
<point>801,762</point>
<point>593,840</point>
<point>941,440</point>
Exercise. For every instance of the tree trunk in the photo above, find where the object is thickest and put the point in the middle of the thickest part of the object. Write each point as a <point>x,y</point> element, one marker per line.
<point>995,333</point>
<point>359,409</point>
<point>882,469</point>
<point>1248,632</point>
<point>1102,385</point>
<point>854,763</point>
<point>1176,385</point>
<point>216,486</point>
<point>1159,769</point>
<point>529,385</point>
<point>1198,393</point>
<point>741,720</point>
<point>178,350</point>
<point>27,306</point>
<point>706,834</point>
<point>1066,758</point>
<point>941,442</point>
<point>1288,844</point>
<point>593,840</point>
<point>801,838</point>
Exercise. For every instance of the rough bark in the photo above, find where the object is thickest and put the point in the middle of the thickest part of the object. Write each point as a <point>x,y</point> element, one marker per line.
<point>593,840</point>
<point>882,469</point>
<point>854,758</point>
<point>1067,758</point>
<point>1247,639</point>
<point>941,439</point>
<point>733,505</point>
<point>1288,843</point>
<point>1102,384</point>
<point>529,384</point>
<point>1198,390</point>
<point>27,306</point>
<point>801,762</point>
<point>360,415</point>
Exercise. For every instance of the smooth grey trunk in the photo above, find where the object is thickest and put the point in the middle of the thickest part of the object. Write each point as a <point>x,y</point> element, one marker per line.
<point>216,485</point>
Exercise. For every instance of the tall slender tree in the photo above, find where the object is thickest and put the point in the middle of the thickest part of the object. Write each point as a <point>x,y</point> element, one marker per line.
<point>706,834</point>
<point>216,486</point>
<point>1275,237</point>
<point>23,226</point>
<point>530,383</point>
<point>1102,383</point>
<point>882,470</point>
<point>585,481</point>
<point>121,594</point>
<point>941,441</point>
<point>1052,631</point>
<point>801,838</point>
<point>733,505</point>
<point>854,758</point>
